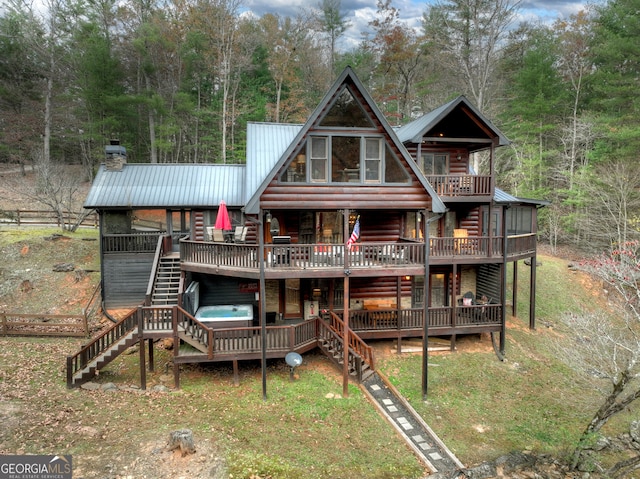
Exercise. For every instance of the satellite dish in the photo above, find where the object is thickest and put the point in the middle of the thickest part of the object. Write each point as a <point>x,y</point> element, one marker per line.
<point>293,359</point>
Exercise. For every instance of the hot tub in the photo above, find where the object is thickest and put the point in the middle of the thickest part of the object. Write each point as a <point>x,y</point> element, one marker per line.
<point>226,315</point>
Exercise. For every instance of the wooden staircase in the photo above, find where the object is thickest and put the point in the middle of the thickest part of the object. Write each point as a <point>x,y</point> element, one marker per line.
<point>99,362</point>
<point>166,285</point>
<point>331,343</point>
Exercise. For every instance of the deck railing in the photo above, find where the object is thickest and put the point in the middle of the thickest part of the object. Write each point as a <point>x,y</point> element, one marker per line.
<point>142,242</point>
<point>367,254</point>
<point>461,185</point>
<point>442,317</point>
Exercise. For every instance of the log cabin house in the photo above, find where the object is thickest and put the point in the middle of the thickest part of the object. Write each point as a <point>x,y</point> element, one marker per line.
<point>432,239</point>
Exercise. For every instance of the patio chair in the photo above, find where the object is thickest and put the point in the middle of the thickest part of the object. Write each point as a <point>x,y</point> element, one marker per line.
<point>240,234</point>
<point>218,235</point>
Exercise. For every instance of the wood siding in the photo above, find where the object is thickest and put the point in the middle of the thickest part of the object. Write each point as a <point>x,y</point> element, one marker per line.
<point>333,197</point>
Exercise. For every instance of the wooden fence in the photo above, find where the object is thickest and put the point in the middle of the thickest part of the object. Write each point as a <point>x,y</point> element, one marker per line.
<point>47,217</point>
<point>18,324</point>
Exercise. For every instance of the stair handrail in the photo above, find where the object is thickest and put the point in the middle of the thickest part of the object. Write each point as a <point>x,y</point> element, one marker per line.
<point>356,344</point>
<point>160,249</point>
<point>92,305</point>
<point>194,328</point>
<point>100,344</point>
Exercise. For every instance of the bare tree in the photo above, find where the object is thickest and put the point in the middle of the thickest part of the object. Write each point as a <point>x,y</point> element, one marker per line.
<point>606,347</point>
<point>611,193</point>
<point>470,34</point>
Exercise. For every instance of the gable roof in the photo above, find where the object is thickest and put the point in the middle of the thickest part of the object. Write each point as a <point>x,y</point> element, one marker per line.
<point>414,131</point>
<point>261,143</point>
<point>167,185</point>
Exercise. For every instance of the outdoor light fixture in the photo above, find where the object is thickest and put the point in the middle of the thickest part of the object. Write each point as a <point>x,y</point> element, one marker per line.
<point>268,217</point>
<point>294,360</point>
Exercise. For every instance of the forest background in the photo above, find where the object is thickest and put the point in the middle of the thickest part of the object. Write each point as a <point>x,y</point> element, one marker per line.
<point>176,82</point>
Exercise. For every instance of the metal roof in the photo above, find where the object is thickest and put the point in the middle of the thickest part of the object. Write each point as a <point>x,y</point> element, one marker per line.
<point>266,142</point>
<point>414,131</point>
<point>167,185</point>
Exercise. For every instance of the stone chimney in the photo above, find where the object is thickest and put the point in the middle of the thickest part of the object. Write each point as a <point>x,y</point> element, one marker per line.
<point>115,156</point>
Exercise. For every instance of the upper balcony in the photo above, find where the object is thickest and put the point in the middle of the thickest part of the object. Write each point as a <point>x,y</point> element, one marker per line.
<point>458,188</point>
<point>363,259</point>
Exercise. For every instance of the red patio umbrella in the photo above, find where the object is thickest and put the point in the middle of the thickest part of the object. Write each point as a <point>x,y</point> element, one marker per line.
<point>222,220</point>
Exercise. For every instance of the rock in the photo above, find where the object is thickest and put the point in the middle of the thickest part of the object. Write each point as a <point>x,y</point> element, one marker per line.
<point>90,386</point>
<point>483,471</point>
<point>601,444</point>
<point>159,388</point>
<point>109,387</point>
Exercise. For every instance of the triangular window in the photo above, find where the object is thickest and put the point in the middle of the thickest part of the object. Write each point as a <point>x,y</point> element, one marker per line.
<point>347,112</point>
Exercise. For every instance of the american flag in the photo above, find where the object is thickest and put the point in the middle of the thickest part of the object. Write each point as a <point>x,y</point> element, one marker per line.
<point>355,234</point>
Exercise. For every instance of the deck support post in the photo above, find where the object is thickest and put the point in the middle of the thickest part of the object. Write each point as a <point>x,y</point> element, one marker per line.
<point>143,368</point>
<point>425,303</point>
<point>398,308</point>
<point>176,374</point>
<point>503,292</point>
<point>532,294</point>
<point>151,362</point>
<point>236,376</point>
<point>514,292</point>
<point>176,347</point>
<point>345,307</point>
<point>345,365</point>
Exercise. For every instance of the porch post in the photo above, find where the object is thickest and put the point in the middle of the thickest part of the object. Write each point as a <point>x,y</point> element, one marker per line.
<point>262,305</point>
<point>425,313</point>
<point>345,365</point>
<point>514,292</point>
<point>503,293</point>
<point>345,307</point>
<point>398,309</point>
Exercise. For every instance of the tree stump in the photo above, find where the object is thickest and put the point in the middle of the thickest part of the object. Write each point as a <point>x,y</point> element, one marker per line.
<point>183,440</point>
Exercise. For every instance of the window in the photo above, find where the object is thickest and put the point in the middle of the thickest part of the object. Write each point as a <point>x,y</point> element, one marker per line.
<point>318,159</point>
<point>342,158</point>
<point>435,163</point>
<point>373,159</point>
<point>345,159</point>
<point>519,220</point>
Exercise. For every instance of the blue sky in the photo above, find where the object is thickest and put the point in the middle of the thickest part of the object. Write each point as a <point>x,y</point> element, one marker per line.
<point>361,12</point>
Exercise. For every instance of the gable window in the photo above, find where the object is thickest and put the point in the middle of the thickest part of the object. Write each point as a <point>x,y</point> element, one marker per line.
<point>435,163</point>
<point>318,159</point>
<point>347,112</point>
